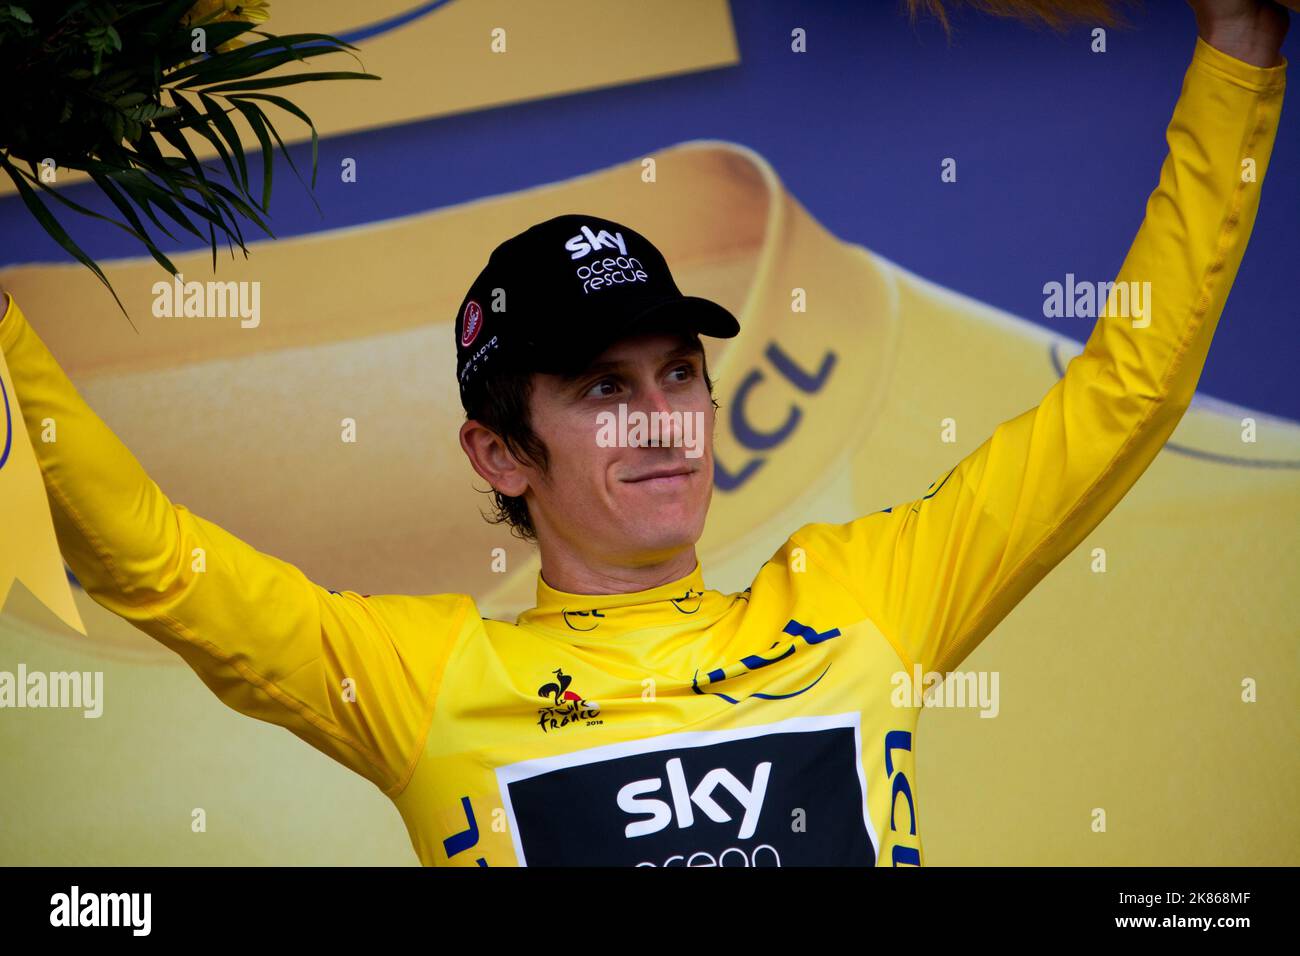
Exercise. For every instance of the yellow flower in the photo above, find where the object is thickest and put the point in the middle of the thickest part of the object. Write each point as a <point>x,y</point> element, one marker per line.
<point>217,11</point>
<point>214,11</point>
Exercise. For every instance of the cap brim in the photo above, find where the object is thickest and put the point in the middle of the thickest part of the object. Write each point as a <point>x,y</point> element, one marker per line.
<point>688,314</point>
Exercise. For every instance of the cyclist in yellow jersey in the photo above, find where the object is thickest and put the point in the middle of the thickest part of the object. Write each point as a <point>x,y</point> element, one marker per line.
<point>634,716</point>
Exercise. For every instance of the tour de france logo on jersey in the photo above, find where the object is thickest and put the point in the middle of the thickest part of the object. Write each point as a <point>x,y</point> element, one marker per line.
<point>566,707</point>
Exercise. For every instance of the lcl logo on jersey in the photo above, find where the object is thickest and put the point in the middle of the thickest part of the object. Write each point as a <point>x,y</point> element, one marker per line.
<point>582,620</point>
<point>567,706</point>
<point>689,602</point>
<point>809,636</point>
<point>8,426</point>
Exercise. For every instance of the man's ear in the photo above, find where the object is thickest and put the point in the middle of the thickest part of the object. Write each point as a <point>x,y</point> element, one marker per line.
<point>493,461</point>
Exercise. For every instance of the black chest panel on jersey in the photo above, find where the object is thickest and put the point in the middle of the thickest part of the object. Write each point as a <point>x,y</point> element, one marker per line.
<point>776,799</point>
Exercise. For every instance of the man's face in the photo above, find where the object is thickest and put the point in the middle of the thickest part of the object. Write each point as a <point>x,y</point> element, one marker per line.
<point>610,494</point>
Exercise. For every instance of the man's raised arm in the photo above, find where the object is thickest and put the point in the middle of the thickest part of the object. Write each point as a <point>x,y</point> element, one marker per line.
<point>353,676</point>
<point>937,574</point>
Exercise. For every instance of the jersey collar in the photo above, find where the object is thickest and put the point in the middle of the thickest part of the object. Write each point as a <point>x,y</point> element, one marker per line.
<point>597,618</point>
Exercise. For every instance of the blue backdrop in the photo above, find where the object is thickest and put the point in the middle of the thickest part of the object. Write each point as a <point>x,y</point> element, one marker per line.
<point>1057,149</point>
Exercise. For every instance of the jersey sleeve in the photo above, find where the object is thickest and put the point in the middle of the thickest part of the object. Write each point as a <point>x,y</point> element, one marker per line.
<point>352,675</point>
<point>937,574</point>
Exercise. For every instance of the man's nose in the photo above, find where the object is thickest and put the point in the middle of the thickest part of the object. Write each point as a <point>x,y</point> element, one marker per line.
<point>654,399</point>
<point>657,400</point>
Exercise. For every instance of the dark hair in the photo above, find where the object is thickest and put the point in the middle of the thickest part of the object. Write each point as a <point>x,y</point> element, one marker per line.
<point>501,402</point>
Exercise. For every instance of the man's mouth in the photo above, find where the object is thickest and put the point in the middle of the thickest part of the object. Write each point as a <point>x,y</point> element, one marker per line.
<point>668,477</point>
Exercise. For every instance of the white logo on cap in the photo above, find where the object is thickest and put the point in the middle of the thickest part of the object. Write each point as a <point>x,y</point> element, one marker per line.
<point>587,241</point>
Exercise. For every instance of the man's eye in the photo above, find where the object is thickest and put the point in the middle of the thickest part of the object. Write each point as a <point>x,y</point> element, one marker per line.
<point>598,390</point>
<point>685,372</point>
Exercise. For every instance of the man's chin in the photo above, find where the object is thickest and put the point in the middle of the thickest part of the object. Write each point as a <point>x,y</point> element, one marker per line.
<point>660,541</point>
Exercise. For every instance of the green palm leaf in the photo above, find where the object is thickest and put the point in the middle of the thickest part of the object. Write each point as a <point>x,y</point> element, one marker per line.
<point>118,81</point>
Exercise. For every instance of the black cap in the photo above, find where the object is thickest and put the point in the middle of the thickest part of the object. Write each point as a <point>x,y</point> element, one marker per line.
<point>555,296</point>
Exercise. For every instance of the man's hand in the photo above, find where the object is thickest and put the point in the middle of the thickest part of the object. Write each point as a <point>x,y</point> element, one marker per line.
<point>1249,30</point>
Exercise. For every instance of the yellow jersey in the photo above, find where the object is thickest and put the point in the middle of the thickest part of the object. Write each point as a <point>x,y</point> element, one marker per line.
<point>684,725</point>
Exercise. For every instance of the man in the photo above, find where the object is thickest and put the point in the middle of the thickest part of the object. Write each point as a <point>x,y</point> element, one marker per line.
<point>634,716</point>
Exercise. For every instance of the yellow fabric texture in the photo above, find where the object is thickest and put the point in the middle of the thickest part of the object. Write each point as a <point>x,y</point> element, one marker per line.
<point>444,710</point>
<point>31,551</point>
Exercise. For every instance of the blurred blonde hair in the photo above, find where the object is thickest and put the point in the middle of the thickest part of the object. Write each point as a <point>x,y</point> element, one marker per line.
<point>1057,14</point>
